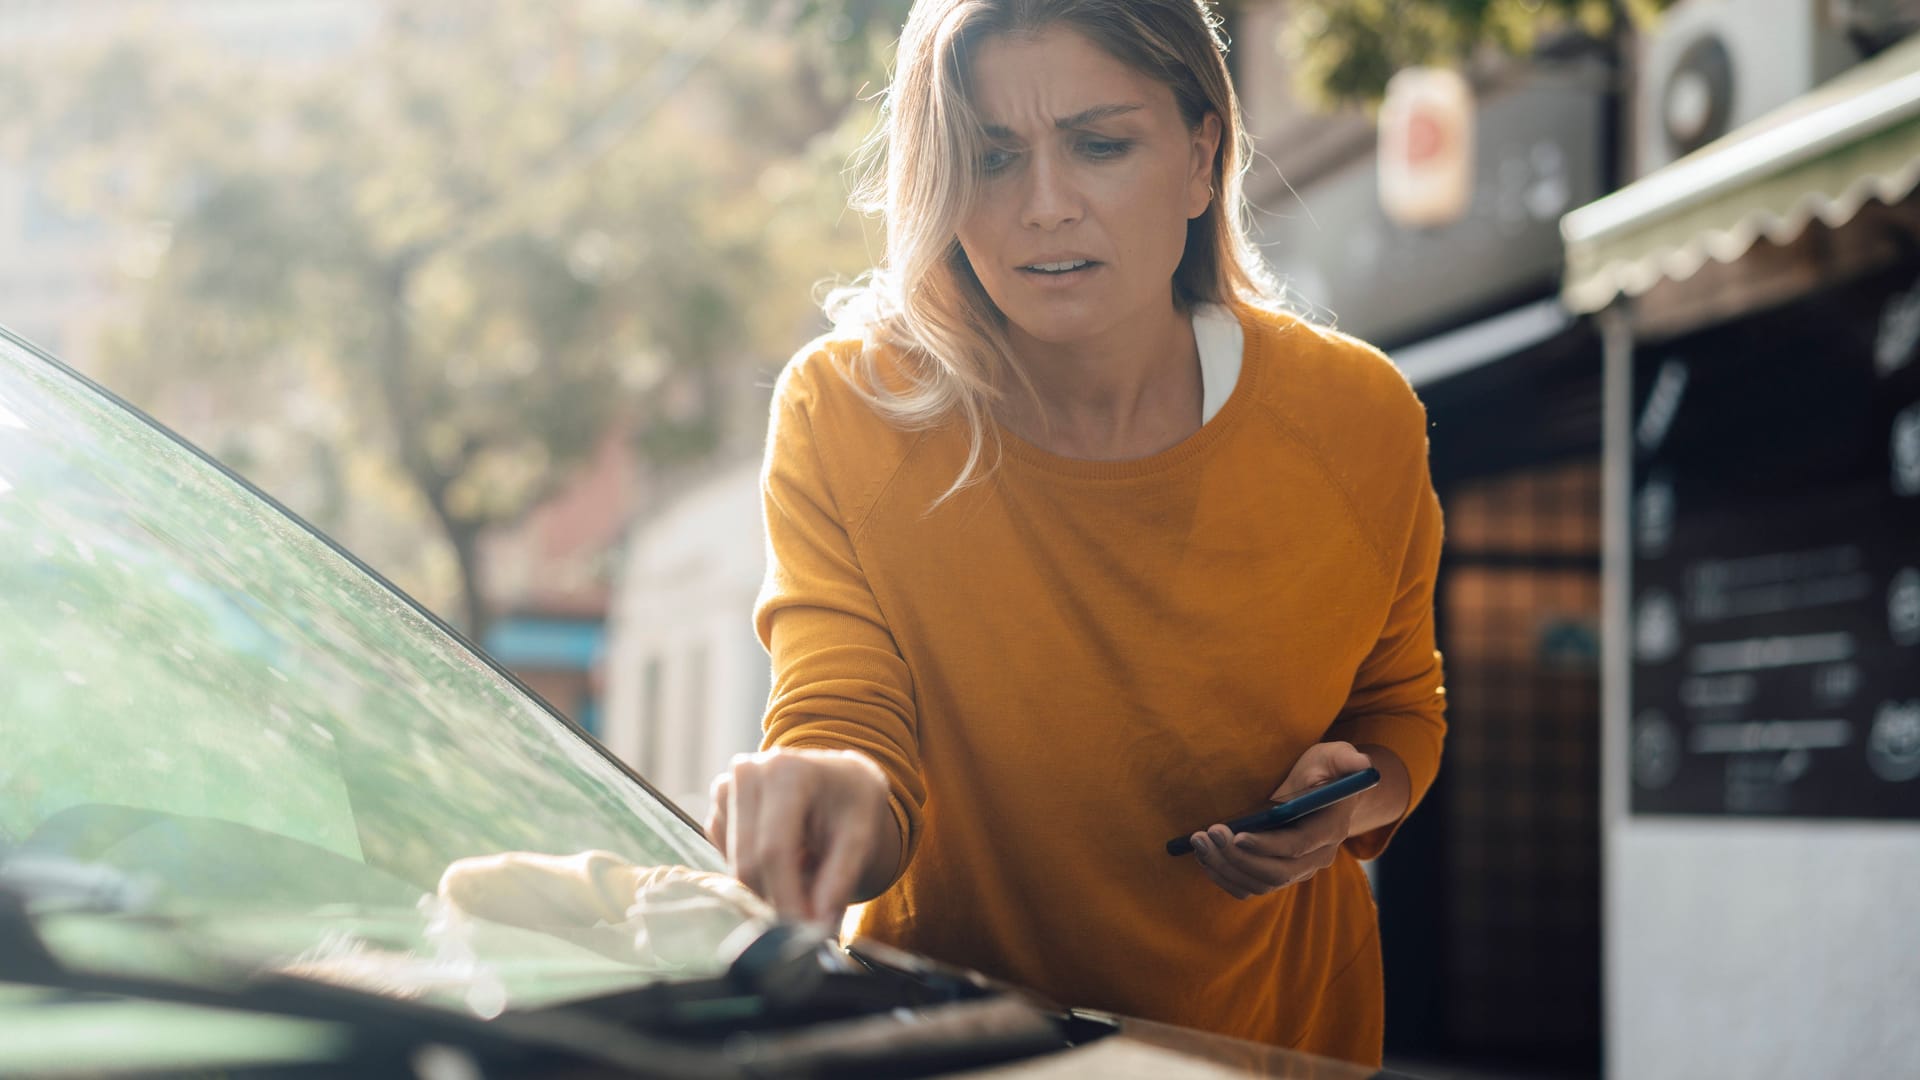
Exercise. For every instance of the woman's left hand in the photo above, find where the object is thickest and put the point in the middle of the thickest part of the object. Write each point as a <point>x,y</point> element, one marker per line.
<point>1255,864</point>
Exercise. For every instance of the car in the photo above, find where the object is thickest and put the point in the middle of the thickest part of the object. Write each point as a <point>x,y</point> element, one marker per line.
<point>263,814</point>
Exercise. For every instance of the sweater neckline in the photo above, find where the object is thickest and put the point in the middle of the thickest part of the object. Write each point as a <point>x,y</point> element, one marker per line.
<point>1187,449</point>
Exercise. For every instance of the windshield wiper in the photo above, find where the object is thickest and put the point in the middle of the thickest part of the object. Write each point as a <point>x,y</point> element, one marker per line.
<point>789,975</point>
<point>382,1026</point>
<point>792,1004</point>
<point>38,884</point>
<point>22,954</point>
<point>58,884</point>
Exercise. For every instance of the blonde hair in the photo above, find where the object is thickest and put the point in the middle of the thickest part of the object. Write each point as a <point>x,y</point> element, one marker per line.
<point>920,177</point>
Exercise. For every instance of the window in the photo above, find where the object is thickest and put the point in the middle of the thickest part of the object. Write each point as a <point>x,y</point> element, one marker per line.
<point>651,720</point>
<point>694,720</point>
<point>201,694</point>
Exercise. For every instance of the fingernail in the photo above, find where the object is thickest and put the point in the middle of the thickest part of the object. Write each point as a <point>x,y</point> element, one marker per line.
<point>1200,843</point>
<point>1243,842</point>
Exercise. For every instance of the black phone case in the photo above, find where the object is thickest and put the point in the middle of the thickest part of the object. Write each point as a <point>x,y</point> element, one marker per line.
<point>1286,813</point>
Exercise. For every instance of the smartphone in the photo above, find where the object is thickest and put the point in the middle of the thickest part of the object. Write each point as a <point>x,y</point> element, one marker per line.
<point>1292,809</point>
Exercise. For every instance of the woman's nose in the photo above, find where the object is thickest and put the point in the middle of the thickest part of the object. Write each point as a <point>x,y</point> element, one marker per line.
<point>1051,199</point>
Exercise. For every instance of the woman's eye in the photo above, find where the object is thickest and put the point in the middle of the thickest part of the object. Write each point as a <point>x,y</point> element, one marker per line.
<point>995,160</point>
<point>1101,149</point>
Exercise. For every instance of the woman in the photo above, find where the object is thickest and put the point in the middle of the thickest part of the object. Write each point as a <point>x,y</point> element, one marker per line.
<point>1077,543</point>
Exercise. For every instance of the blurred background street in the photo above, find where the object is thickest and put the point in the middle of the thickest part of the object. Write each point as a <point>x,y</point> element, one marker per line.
<point>495,295</point>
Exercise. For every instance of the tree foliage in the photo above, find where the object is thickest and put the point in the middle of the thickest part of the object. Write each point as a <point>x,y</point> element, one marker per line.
<point>1343,51</point>
<point>432,275</point>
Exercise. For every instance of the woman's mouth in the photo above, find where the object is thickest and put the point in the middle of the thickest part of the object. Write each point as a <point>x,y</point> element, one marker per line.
<point>1064,269</point>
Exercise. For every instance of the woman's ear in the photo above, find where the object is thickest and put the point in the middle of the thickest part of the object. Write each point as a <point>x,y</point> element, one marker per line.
<point>1206,146</point>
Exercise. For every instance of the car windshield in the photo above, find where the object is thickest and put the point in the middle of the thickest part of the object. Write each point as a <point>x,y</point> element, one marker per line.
<point>276,759</point>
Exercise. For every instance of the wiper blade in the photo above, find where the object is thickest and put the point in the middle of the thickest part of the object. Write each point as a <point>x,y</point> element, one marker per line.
<point>46,883</point>
<point>832,1014</point>
<point>794,1003</point>
<point>385,1026</point>
<point>378,1022</point>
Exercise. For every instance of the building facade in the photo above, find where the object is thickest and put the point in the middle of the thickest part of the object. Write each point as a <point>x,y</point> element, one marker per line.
<point>687,680</point>
<point>1761,807</point>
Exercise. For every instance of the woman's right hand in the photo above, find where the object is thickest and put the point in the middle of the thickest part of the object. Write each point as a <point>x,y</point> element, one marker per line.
<point>809,830</point>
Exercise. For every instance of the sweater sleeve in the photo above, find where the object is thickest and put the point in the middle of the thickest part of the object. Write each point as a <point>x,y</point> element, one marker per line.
<point>1398,698</point>
<point>839,681</point>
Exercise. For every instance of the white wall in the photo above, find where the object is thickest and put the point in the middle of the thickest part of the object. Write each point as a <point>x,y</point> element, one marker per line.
<point>682,610</point>
<point>1744,948</point>
<point>1763,949</point>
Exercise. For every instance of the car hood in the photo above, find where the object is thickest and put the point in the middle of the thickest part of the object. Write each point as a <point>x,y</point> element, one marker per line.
<point>51,1032</point>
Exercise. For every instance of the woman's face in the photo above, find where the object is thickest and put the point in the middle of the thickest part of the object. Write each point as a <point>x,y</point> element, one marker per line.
<point>1089,181</point>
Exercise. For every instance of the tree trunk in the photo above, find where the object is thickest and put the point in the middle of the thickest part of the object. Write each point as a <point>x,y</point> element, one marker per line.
<point>475,615</point>
<point>395,356</point>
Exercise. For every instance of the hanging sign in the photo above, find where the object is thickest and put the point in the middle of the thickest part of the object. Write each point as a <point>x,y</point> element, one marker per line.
<point>1775,626</point>
<point>1426,148</point>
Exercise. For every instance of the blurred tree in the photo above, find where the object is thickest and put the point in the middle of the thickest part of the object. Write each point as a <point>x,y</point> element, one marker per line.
<point>1344,51</point>
<point>441,270</point>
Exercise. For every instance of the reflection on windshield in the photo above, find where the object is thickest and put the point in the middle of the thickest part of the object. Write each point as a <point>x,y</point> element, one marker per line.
<point>203,696</point>
<point>580,919</point>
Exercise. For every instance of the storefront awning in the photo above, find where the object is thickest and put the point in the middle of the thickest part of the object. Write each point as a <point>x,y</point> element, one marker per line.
<point>552,644</point>
<point>1820,158</point>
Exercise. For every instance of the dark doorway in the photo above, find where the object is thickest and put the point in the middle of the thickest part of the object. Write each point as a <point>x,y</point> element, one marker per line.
<point>1490,899</point>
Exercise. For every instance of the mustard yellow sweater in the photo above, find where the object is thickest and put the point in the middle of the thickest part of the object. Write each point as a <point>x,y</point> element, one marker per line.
<point>1065,666</point>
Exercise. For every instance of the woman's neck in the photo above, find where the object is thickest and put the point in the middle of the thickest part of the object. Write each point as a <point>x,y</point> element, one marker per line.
<point>1131,394</point>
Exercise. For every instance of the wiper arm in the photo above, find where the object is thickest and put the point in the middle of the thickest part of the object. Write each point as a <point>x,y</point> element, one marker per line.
<point>36,884</point>
<point>792,968</point>
<point>381,1025</point>
<point>51,883</point>
<point>22,954</point>
<point>794,1004</point>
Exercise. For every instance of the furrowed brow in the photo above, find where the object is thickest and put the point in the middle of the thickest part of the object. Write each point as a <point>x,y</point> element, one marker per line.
<point>1094,115</point>
<point>1081,119</point>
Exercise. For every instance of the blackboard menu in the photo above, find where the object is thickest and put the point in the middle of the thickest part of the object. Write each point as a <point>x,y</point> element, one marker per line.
<point>1775,619</point>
